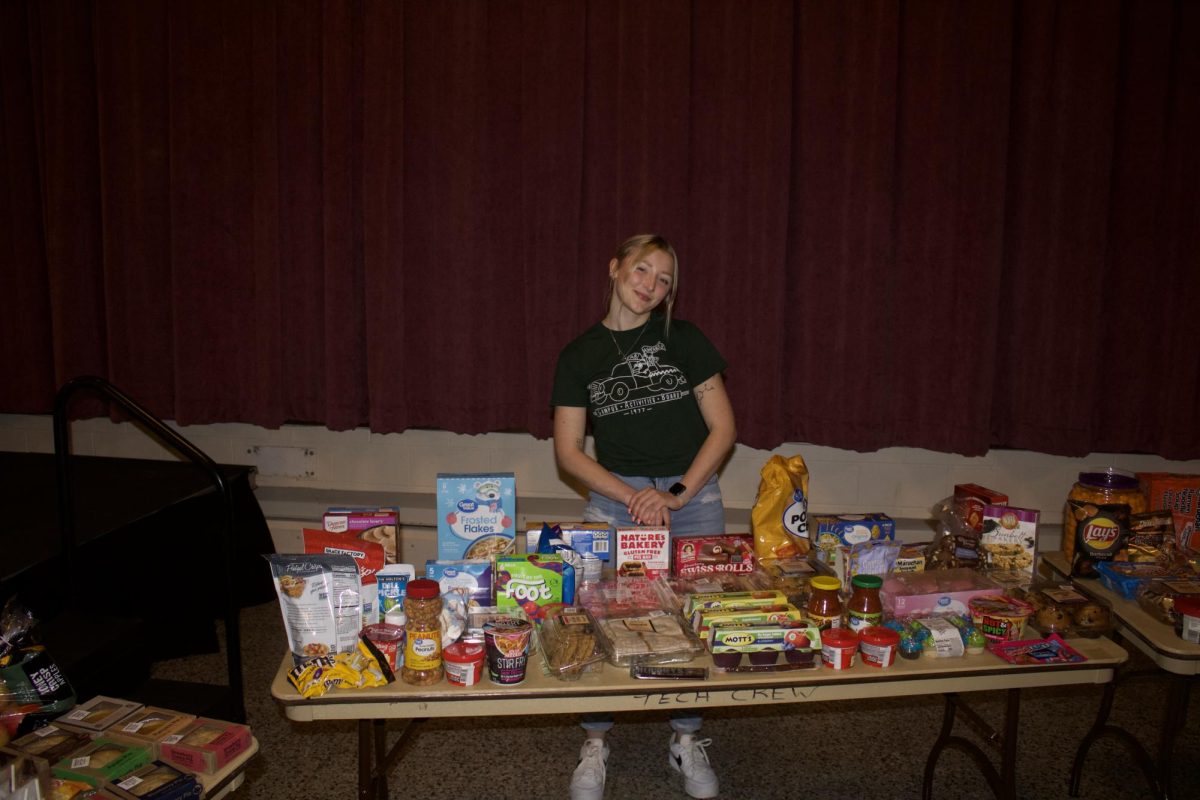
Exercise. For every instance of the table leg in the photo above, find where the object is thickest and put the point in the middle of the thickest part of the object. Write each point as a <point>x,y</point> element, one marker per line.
<point>375,759</point>
<point>1101,729</point>
<point>1173,722</point>
<point>1003,782</point>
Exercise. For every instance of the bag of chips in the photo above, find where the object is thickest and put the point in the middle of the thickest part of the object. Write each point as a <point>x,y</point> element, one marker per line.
<point>779,518</point>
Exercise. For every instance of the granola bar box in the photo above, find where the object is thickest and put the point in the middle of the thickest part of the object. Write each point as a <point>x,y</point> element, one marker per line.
<point>643,552</point>
<point>205,745</point>
<point>476,514</point>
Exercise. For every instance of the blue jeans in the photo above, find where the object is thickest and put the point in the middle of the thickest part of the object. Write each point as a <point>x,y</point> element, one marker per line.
<point>681,722</point>
<point>704,513</point>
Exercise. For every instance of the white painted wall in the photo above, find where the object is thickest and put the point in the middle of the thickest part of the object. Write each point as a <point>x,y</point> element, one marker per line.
<point>901,482</point>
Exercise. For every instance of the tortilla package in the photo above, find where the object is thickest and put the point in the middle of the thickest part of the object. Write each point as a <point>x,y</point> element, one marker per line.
<point>779,518</point>
<point>320,598</point>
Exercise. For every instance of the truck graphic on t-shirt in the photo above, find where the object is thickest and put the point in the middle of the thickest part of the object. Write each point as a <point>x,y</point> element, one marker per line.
<point>640,370</point>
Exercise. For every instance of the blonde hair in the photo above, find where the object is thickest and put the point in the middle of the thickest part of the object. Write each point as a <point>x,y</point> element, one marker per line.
<point>636,247</point>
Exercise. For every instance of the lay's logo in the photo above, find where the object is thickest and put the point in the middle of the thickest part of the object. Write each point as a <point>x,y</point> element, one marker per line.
<point>1101,534</point>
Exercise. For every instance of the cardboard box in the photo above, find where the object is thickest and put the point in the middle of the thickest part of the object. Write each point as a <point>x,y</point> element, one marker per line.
<point>51,742</point>
<point>703,619</point>
<point>379,525</point>
<point>969,500</point>
<point>102,761</point>
<point>1179,494</point>
<point>1008,539</point>
<point>642,551</point>
<point>157,781</point>
<point>529,582</point>
<point>583,537</point>
<point>100,713</point>
<point>476,514</point>
<point>150,726</point>
<point>205,745</point>
<point>470,578</point>
<point>711,601</point>
<point>731,553</point>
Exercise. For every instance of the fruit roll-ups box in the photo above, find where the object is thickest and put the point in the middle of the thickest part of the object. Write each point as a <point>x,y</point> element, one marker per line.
<point>157,781</point>
<point>530,582</point>
<point>731,553</point>
<point>206,745</point>
<point>103,760</point>
<point>746,638</point>
<point>150,726</point>
<point>765,615</point>
<point>716,600</point>
<point>99,714</point>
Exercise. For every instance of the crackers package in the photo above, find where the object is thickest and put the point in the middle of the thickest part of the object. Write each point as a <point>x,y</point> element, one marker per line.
<point>779,518</point>
<point>1008,539</point>
<point>643,551</point>
<point>476,515</point>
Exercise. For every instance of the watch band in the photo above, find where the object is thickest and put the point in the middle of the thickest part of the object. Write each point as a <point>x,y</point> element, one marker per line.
<point>677,489</point>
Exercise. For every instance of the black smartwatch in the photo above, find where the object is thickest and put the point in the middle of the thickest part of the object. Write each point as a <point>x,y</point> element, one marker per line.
<point>677,489</point>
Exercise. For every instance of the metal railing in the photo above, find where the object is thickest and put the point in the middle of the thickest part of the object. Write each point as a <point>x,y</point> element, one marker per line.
<point>156,428</point>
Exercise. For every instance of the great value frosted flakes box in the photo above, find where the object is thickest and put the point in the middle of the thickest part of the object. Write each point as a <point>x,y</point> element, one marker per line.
<point>643,551</point>
<point>476,515</point>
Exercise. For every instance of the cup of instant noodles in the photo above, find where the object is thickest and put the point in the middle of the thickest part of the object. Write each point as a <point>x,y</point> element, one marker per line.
<point>507,642</point>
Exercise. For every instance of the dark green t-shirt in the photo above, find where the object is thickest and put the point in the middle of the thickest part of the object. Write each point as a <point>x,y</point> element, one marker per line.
<point>644,417</point>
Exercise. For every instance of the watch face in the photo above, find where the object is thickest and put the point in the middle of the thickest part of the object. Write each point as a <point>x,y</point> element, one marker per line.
<point>677,489</point>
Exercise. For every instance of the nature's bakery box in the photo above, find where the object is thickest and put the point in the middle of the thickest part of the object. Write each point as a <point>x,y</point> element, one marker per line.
<point>476,515</point>
<point>643,551</point>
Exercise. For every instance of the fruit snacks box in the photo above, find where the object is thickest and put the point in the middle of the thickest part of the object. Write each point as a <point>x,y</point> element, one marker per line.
<point>583,537</point>
<point>643,552</point>
<point>157,781</point>
<point>530,582</point>
<point>379,525</point>
<point>705,555</point>
<point>470,578</point>
<point>103,760</point>
<point>476,514</point>
<point>206,745</point>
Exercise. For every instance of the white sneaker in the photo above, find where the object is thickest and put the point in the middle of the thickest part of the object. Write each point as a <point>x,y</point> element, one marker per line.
<point>588,781</point>
<point>689,758</point>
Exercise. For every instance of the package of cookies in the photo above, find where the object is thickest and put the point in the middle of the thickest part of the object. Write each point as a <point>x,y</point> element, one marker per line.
<point>657,637</point>
<point>570,646</point>
<point>1008,540</point>
<point>205,745</point>
<point>1061,608</point>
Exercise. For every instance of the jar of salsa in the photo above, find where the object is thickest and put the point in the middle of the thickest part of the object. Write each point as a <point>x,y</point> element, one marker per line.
<point>864,608</point>
<point>423,633</point>
<point>1096,517</point>
<point>824,603</point>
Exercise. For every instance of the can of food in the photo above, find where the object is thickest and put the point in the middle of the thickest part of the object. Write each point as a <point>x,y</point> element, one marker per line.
<point>1188,628</point>
<point>838,647</point>
<point>464,663</point>
<point>878,646</point>
<point>507,643</point>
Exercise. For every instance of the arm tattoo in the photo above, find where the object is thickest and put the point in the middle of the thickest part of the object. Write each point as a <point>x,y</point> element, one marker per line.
<point>700,391</point>
<point>579,442</point>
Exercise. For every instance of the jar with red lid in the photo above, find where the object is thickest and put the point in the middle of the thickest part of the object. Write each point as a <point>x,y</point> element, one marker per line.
<point>824,607</point>
<point>878,646</point>
<point>1096,517</point>
<point>864,607</point>
<point>423,633</point>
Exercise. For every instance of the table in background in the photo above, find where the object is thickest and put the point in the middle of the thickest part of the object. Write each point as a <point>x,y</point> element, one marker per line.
<point>1169,652</point>
<point>613,690</point>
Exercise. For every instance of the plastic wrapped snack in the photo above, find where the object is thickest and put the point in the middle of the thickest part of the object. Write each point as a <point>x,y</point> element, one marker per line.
<point>1062,609</point>
<point>658,637</point>
<point>1158,597</point>
<point>570,644</point>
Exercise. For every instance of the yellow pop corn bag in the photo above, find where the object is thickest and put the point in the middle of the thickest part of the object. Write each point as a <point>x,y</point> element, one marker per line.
<point>779,518</point>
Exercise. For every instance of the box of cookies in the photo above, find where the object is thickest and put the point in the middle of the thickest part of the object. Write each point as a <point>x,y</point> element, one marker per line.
<point>205,745</point>
<point>1008,540</point>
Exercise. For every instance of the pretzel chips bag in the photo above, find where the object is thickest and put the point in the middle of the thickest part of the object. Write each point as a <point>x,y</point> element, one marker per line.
<point>779,518</point>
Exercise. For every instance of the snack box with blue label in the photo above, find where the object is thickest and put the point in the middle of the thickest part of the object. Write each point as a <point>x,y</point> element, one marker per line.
<point>833,530</point>
<point>583,537</point>
<point>157,781</point>
<point>476,515</point>
<point>472,578</point>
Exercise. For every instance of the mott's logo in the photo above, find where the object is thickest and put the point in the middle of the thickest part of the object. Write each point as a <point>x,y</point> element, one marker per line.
<point>1101,533</point>
<point>736,639</point>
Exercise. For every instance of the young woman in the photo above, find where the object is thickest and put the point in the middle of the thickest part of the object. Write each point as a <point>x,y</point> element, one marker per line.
<point>651,388</point>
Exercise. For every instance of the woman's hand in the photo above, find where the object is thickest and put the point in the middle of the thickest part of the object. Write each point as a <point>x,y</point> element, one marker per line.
<point>649,506</point>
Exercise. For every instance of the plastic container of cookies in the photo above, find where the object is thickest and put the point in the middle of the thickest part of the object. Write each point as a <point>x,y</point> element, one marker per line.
<point>1061,608</point>
<point>570,644</point>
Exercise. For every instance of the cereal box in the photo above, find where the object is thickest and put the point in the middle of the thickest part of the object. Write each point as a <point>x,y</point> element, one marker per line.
<point>369,524</point>
<point>529,582</point>
<point>583,537</point>
<point>1008,540</point>
<point>705,555</point>
<point>476,514</point>
<point>643,551</point>
<point>470,578</point>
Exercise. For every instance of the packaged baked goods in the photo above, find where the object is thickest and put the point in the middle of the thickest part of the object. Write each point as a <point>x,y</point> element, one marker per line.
<point>1179,494</point>
<point>1128,578</point>
<point>569,641</point>
<point>657,637</point>
<point>205,745</point>
<point>1157,598</point>
<point>1061,608</point>
<point>705,555</point>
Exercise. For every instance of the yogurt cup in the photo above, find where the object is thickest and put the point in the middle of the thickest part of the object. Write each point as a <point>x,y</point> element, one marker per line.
<point>838,648</point>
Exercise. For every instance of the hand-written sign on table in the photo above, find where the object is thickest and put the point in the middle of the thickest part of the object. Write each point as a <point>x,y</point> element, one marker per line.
<point>781,694</point>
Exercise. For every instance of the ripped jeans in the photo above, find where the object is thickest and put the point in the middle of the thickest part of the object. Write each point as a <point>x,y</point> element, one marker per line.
<point>704,513</point>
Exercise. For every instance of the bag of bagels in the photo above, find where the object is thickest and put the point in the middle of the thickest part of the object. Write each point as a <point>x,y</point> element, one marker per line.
<point>779,518</point>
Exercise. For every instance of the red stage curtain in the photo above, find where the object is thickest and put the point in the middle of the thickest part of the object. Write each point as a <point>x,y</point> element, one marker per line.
<point>954,226</point>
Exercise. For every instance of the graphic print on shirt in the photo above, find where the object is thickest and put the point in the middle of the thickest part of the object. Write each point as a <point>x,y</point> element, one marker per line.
<point>636,383</point>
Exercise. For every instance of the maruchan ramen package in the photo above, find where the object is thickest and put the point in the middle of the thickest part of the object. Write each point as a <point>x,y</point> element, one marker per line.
<point>476,514</point>
<point>779,519</point>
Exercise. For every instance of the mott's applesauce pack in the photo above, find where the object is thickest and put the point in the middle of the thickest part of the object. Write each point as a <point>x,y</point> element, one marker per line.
<point>476,515</point>
<point>530,582</point>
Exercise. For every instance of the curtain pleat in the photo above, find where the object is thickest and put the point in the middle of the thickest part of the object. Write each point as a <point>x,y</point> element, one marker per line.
<point>956,226</point>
